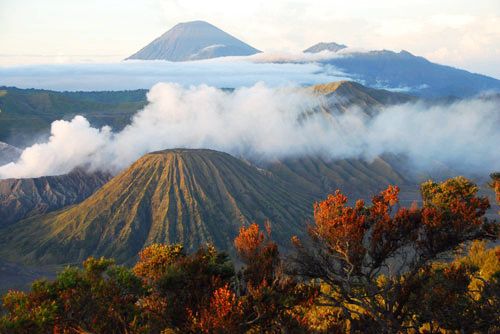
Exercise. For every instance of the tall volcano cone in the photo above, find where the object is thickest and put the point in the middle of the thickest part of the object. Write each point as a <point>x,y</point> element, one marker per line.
<point>192,41</point>
<point>188,196</point>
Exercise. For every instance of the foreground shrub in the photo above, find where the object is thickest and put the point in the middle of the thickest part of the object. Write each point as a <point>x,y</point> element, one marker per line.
<point>377,268</point>
<point>377,259</point>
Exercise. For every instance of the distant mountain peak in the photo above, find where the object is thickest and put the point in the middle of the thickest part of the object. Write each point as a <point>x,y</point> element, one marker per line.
<point>331,87</point>
<point>407,53</point>
<point>332,46</point>
<point>198,22</point>
<point>193,41</point>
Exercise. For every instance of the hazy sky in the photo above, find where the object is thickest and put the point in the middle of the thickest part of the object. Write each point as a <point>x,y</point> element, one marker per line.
<point>461,33</point>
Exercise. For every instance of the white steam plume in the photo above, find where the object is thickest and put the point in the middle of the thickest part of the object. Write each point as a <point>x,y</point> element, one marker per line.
<point>270,123</point>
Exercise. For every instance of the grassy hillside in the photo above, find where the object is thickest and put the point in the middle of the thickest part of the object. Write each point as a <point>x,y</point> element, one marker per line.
<point>353,93</point>
<point>321,176</point>
<point>188,196</point>
<point>28,113</point>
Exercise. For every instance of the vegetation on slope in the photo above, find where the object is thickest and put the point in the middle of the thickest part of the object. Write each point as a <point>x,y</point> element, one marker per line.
<point>28,113</point>
<point>364,269</point>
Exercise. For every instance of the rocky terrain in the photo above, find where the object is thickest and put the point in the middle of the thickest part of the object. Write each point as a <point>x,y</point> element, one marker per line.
<point>22,198</point>
<point>8,153</point>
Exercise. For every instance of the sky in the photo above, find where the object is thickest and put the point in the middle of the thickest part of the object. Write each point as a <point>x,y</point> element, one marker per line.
<point>460,33</point>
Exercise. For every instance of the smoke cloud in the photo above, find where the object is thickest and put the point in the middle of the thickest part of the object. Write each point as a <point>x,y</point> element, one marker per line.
<point>261,122</point>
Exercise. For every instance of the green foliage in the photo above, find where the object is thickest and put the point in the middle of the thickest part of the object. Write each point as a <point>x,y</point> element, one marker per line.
<point>442,194</point>
<point>98,298</point>
<point>25,315</point>
<point>463,295</point>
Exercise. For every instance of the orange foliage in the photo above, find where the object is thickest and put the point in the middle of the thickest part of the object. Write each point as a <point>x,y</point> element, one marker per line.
<point>351,245</point>
<point>155,259</point>
<point>495,185</point>
<point>375,265</point>
<point>153,306</point>
<point>342,227</point>
<point>224,313</point>
<point>249,242</point>
<point>258,252</point>
<point>451,213</point>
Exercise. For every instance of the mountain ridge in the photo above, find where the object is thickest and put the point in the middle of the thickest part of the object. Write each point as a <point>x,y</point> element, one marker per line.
<point>26,197</point>
<point>28,113</point>
<point>412,74</point>
<point>339,96</point>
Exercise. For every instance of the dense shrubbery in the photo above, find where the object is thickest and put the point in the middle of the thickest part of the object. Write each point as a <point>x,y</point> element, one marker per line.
<point>376,268</point>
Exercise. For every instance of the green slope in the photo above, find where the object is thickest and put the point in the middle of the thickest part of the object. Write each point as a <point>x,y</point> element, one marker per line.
<point>355,177</point>
<point>27,113</point>
<point>188,196</point>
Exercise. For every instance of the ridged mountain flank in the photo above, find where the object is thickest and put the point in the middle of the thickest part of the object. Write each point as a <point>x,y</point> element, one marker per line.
<point>181,195</point>
<point>342,95</point>
<point>26,197</point>
<point>193,41</point>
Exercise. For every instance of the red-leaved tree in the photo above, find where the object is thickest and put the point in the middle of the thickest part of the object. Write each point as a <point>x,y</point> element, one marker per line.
<point>373,257</point>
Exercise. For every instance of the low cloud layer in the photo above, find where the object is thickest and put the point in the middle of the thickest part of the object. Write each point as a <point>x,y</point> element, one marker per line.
<point>227,72</point>
<point>267,123</point>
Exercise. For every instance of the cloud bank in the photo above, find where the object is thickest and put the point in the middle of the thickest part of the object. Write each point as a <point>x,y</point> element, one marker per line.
<point>261,122</point>
<point>227,72</point>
